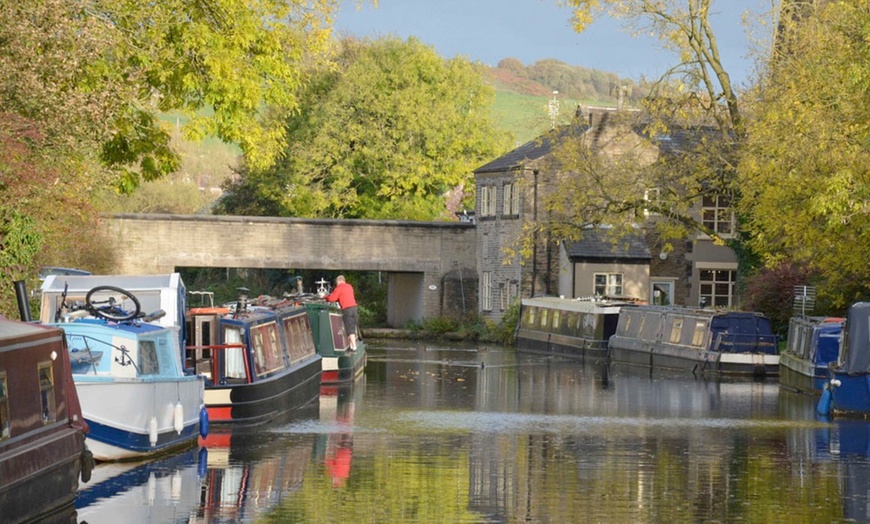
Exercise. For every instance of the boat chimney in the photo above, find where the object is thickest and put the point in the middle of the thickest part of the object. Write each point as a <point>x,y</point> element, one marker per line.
<point>23,304</point>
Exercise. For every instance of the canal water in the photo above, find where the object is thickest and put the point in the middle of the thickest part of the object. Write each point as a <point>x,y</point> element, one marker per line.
<point>482,434</point>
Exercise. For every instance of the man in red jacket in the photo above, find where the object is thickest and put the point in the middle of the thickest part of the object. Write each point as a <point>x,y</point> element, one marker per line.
<point>343,294</point>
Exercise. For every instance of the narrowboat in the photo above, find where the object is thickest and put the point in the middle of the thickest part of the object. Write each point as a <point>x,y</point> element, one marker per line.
<point>703,341</point>
<point>571,327</point>
<point>341,365</point>
<point>42,431</point>
<point>847,388</point>
<point>813,342</point>
<point>135,396</point>
<point>258,361</point>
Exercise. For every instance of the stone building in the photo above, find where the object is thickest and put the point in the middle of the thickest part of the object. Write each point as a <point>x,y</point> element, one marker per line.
<point>513,264</point>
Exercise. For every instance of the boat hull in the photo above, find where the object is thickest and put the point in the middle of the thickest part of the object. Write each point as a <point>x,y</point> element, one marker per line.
<point>120,412</point>
<point>344,369</point>
<point>40,477</point>
<point>548,343</point>
<point>851,395</point>
<point>664,356</point>
<point>800,374</point>
<point>258,402</point>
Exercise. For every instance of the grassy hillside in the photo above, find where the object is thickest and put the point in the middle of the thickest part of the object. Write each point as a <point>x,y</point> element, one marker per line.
<point>521,107</point>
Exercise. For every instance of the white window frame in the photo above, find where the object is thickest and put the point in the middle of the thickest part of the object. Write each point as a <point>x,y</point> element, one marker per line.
<point>613,284</point>
<point>487,201</point>
<point>718,289</point>
<point>510,199</point>
<point>486,291</point>
<point>717,215</point>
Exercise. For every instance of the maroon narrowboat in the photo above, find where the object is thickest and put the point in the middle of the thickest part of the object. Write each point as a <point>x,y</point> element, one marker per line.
<point>42,432</point>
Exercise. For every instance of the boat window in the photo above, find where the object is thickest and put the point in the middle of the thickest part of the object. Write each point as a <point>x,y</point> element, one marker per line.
<point>201,329</point>
<point>543,318</point>
<point>267,351</point>
<point>148,362</point>
<point>676,330</point>
<point>299,337</point>
<point>556,318</point>
<point>700,333</point>
<point>5,420</point>
<point>627,324</point>
<point>234,361</point>
<point>46,392</point>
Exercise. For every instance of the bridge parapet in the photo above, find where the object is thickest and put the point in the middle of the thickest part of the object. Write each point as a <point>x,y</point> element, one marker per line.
<point>161,243</point>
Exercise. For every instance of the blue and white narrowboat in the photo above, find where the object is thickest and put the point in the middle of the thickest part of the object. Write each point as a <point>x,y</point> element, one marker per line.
<point>813,343</point>
<point>703,341</point>
<point>135,396</point>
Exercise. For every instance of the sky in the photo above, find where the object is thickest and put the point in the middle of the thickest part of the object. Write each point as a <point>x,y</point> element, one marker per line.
<point>530,30</point>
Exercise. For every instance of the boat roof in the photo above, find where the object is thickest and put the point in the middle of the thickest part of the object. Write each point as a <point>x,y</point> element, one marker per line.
<point>577,304</point>
<point>84,283</point>
<point>136,328</point>
<point>12,330</point>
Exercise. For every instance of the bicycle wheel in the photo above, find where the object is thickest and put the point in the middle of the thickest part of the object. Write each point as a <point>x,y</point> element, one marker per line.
<point>104,301</point>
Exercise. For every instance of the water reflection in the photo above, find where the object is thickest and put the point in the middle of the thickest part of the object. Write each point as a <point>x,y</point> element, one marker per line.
<point>481,434</point>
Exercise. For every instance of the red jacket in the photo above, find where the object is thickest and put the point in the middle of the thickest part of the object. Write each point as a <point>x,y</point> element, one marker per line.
<point>343,294</point>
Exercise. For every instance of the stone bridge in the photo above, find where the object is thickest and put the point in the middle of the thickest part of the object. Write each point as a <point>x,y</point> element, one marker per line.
<point>430,265</point>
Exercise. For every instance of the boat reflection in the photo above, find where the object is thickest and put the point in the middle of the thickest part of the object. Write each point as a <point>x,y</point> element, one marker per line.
<point>164,490</point>
<point>236,476</point>
<point>337,405</point>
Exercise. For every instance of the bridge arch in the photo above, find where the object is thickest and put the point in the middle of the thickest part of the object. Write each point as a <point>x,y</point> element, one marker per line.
<point>417,256</point>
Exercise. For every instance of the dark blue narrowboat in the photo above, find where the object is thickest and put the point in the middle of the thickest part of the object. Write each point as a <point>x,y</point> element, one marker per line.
<point>847,389</point>
<point>259,362</point>
<point>703,341</point>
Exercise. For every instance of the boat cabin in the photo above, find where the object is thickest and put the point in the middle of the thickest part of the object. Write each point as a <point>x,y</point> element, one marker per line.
<point>699,329</point>
<point>129,349</point>
<point>229,348</point>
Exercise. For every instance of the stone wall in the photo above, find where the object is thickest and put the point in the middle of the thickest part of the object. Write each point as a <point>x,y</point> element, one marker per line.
<point>149,244</point>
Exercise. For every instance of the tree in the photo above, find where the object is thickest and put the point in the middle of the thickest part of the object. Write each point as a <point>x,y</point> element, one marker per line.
<point>98,71</point>
<point>805,164</point>
<point>41,221</point>
<point>388,133</point>
<point>679,150</point>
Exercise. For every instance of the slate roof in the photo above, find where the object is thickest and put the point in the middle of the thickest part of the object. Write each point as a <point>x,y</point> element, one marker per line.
<point>597,245</point>
<point>532,149</point>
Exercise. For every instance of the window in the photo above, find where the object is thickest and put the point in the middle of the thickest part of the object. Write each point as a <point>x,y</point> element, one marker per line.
<point>5,420</point>
<point>653,196</point>
<point>700,333</point>
<point>486,291</point>
<point>487,201</point>
<point>510,200</point>
<point>608,284</point>
<point>717,214</point>
<point>502,296</point>
<point>46,392</point>
<point>676,331</point>
<point>717,287</point>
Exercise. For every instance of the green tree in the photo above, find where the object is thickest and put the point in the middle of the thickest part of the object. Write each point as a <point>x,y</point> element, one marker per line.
<point>389,132</point>
<point>805,165</point>
<point>96,72</point>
